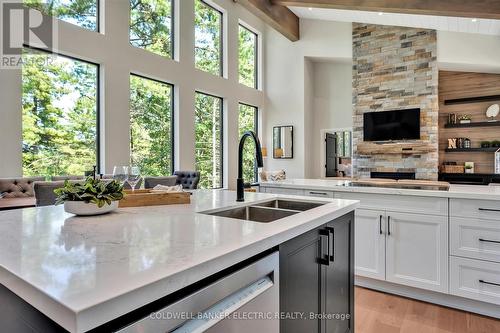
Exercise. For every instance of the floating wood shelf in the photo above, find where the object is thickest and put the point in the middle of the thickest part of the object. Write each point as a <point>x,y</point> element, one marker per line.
<point>405,148</point>
<point>474,124</point>
<point>471,150</point>
<point>468,100</point>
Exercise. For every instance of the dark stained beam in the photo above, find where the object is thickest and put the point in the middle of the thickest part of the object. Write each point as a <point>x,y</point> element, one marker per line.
<point>489,9</point>
<point>279,17</point>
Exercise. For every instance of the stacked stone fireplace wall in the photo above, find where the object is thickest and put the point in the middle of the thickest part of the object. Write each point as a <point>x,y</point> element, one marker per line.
<point>395,68</point>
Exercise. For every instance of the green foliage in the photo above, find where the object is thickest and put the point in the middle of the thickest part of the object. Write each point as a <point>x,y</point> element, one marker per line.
<point>208,138</point>
<point>247,57</point>
<point>208,38</point>
<point>247,122</point>
<point>92,191</point>
<point>151,26</point>
<point>151,126</point>
<point>59,115</point>
<point>79,12</point>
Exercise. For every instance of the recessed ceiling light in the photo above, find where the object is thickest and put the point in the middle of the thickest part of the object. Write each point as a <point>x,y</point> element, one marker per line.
<point>380,13</point>
<point>474,20</point>
<point>310,8</point>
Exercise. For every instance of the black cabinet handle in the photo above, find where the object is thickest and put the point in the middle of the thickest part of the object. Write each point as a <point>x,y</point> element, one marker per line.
<point>488,241</point>
<point>380,225</point>
<point>492,283</point>
<point>388,225</point>
<point>318,193</point>
<point>325,259</point>
<point>489,210</point>
<point>332,253</point>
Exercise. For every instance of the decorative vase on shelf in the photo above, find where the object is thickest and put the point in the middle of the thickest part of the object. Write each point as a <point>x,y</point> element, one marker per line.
<point>469,167</point>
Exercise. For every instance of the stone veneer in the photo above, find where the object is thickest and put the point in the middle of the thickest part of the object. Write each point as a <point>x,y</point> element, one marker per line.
<point>395,68</point>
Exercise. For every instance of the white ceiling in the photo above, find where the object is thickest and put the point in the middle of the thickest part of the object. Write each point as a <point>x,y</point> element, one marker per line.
<point>443,23</point>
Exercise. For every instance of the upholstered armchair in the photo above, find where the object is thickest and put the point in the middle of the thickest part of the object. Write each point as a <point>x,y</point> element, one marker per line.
<point>150,182</point>
<point>18,187</point>
<point>188,179</point>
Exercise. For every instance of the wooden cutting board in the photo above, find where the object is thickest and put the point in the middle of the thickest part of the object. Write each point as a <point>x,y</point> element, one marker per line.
<point>140,198</point>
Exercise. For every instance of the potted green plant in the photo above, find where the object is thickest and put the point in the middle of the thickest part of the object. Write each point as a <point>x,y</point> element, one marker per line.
<point>469,167</point>
<point>495,144</point>
<point>92,197</point>
<point>465,119</point>
<point>485,144</point>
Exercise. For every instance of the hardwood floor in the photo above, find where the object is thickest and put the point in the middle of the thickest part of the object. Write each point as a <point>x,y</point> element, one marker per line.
<point>378,312</point>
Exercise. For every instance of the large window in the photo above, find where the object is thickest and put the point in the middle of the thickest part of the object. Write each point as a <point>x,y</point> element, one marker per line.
<point>151,126</point>
<point>151,26</point>
<point>247,59</point>
<point>79,12</point>
<point>208,136</point>
<point>208,38</point>
<point>248,121</point>
<point>59,115</point>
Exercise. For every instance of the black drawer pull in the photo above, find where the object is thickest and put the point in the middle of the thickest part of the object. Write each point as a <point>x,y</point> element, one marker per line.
<point>318,193</point>
<point>331,254</point>
<point>380,225</point>
<point>388,225</point>
<point>492,283</point>
<point>325,259</point>
<point>488,241</point>
<point>489,210</point>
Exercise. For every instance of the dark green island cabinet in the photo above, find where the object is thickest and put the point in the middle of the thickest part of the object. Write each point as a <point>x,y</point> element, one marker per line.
<point>317,279</point>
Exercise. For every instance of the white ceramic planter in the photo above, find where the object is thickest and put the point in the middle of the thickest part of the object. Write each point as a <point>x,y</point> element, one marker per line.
<point>88,209</point>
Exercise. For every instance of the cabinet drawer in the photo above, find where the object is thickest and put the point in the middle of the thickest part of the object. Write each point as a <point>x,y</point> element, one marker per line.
<point>279,190</point>
<point>484,209</point>
<point>475,279</point>
<point>322,194</point>
<point>475,238</point>
<point>399,203</point>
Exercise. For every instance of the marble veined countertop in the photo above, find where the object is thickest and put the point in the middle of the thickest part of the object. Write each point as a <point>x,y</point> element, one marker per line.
<point>478,192</point>
<point>85,271</point>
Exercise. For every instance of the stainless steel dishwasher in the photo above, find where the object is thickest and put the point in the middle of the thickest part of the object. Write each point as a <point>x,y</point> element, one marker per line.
<point>246,301</point>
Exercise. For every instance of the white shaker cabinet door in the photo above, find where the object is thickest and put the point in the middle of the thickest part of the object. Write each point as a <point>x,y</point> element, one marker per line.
<point>369,242</point>
<point>417,250</point>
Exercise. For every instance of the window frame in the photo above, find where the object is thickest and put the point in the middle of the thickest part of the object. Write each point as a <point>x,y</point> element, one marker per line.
<point>172,116</point>
<point>98,100</point>
<point>221,39</point>
<point>256,129</point>
<point>173,31</point>
<point>221,135</point>
<point>245,26</point>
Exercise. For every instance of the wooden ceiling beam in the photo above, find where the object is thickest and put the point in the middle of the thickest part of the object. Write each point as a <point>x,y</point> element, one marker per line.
<point>489,9</point>
<point>279,17</point>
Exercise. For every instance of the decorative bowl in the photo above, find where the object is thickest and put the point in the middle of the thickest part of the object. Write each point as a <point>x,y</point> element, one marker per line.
<point>82,208</point>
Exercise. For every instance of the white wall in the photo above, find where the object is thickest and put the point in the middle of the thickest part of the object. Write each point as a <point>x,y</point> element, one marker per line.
<point>289,80</point>
<point>111,49</point>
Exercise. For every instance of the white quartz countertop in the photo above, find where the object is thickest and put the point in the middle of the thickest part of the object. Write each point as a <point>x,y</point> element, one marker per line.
<point>456,191</point>
<point>85,271</point>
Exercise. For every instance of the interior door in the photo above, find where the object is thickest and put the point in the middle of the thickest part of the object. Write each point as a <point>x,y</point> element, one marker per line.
<point>339,276</point>
<point>331,155</point>
<point>369,243</point>
<point>417,250</point>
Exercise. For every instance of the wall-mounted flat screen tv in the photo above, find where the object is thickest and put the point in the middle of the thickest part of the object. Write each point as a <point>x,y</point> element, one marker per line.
<point>392,125</point>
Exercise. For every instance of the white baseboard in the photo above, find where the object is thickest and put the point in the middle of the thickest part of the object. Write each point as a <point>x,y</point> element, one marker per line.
<point>482,308</point>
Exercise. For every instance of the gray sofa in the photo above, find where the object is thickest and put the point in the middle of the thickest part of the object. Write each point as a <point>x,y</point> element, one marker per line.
<point>18,187</point>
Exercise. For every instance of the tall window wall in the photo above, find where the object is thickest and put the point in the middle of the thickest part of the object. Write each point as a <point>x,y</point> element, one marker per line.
<point>208,136</point>
<point>59,115</point>
<point>248,121</point>
<point>208,38</point>
<point>151,126</point>
<point>110,103</point>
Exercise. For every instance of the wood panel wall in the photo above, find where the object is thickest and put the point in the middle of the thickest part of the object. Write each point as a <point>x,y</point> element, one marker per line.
<point>454,85</point>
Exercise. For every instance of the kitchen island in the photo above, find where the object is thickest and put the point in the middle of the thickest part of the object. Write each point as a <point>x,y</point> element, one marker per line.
<point>439,246</point>
<point>83,272</point>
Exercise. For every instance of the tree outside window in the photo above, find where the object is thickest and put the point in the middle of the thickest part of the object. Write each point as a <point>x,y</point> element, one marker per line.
<point>247,121</point>
<point>151,26</point>
<point>208,38</point>
<point>59,115</point>
<point>208,136</point>
<point>78,12</point>
<point>247,57</point>
<point>151,126</point>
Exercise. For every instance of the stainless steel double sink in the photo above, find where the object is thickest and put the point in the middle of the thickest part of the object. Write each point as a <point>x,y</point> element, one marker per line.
<point>268,211</point>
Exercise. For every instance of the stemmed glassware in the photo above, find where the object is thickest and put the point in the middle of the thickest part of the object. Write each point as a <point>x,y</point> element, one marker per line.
<point>120,174</point>
<point>133,176</point>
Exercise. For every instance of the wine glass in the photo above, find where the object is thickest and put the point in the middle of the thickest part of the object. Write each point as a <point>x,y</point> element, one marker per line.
<point>133,176</point>
<point>120,174</point>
